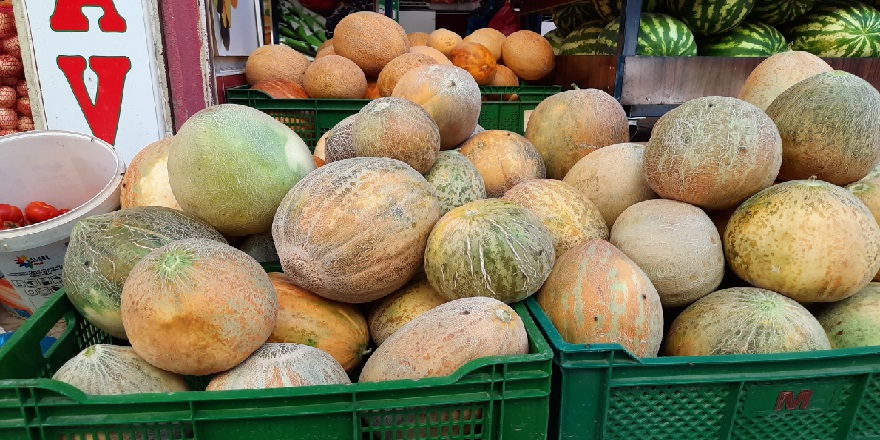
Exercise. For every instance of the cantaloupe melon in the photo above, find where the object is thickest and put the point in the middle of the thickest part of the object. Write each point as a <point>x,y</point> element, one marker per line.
<point>829,128</point>
<point>456,181</point>
<point>281,89</point>
<point>491,38</point>
<point>442,340</point>
<point>399,129</point>
<point>104,369</point>
<point>372,91</point>
<point>260,247</point>
<point>197,307</point>
<point>491,248</point>
<point>597,295</point>
<point>571,218</point>
<point>325,52</point>
<point>334,76</point>
<point>443,40</point>
<point>104,248</point>
<point>806,239</point>
<point>417,39</point>
<point>476,59</point>
<point>281,366</point>
<point>567,126</point>
<point>389,314</point>
<point>355,230</point>
<point>275,61</point>
<point>337,328</point>
<point>713,152</point>
<point>777,73</point>
<point>339,143</point>
<point>528,54</point>
<point>231,165</point>
<point>369,39</point>
<point>744,320</point>
<point>397,67</point>
<point>504,159</point>
<point>855,321</point>
<point>504,77</point>
<point>677,246</point>
<point>449,94</point>
<point>145,182</point>
<point>868,191</point>
<point>612,178</point>
<point>433,53</point>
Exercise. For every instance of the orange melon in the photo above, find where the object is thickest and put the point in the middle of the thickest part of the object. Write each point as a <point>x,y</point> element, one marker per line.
<point>369,39</point>
<point>597,295</point>
<point>744,320</point>
<point>197,306</point>
<point>275,61</point>
<point>355,230</point>
<point>281,366</point>
<point>528,54</point>
<point>442,340</point>
<point>372,91</point>
<point>567,126</point>
<point>571,218</point>
<point>337,328</point>
<point>449,94</point>
<point>281,89</point>
<point>145,182</point>
<point>713,152</point>
<point>476,60</point>
<point>504,159</point>
<point>389,314</point>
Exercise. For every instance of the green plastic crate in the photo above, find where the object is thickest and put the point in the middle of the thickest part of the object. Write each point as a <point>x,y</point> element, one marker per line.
<point>502,398</point>
<point>311,118</point>
<point>601,391</point>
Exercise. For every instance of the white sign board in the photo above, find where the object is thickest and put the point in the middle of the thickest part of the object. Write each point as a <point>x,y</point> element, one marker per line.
<point>98,70</point>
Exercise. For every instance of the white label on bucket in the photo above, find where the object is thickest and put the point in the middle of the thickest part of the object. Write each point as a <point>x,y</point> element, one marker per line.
<point>35,274</point>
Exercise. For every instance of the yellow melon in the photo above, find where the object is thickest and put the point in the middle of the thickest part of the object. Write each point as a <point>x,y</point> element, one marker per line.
<point>491,38</point>
<point>389,314</point>
<point>444,40</point>
<point>433,53</point>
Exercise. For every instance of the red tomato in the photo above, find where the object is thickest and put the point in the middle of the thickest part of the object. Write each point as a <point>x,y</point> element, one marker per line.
<point>40,211</point>
<point>63,211</point>
<point>10,213</point>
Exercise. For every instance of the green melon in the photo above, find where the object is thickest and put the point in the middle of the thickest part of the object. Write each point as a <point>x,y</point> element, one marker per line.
<point>745,40</point>
<point>659,35</point>
<point>776,12</point>
<point>231,165</point>
<point>838,29</point>
<point>104,248</point>
<point>707,17</point>
<point>744,320</point>
<point>456,180</point>
<point>555,38</point>
<point>571,16</point>
<point>855,321</point>
<point>105,369</point>
<point>491,248</point>
<point>582,40</point>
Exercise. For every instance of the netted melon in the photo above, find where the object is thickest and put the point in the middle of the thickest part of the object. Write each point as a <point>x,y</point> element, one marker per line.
<point>504,159</point>
<point>197,307</point>
<point>399,129</point>
<point>456,180</point>
<point>104,248</point>
<point>338,142</point>
<point>260,247</point>
<point>389,314</point>
<point>146,179</point>
<point>105,369</point>
<point>855,321</point>
<point>281,366</point>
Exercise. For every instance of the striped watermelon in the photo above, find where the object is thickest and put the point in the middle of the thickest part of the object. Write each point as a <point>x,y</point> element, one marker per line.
<point>605,10</point>
<point>571,16</point>
<point>838,29</point>
<point>776,12</point>
<point>659,35</point>
<point>745,40</point>
<point>707,17</point>
<point>555,40</point>
<point>582,41</point>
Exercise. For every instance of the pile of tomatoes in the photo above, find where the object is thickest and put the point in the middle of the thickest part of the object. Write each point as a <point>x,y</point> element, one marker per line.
<point>35,212</point>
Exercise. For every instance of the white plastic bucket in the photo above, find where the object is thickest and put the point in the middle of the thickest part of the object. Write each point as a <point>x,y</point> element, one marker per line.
<point>65,170</point>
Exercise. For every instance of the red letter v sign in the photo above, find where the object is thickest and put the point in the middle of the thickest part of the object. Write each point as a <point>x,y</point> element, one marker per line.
<point>103,115</point>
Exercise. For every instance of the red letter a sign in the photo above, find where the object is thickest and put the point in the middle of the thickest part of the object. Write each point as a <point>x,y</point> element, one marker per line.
<point>68,16</point>
<point>103,115</point>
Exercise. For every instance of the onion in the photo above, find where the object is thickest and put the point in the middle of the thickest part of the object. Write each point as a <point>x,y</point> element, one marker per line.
<point>10,67</point>
<point>8,119</point>
<point>25,123</point>
<point>8,96</point>
<point>24,106</point>
<point>11,46</point>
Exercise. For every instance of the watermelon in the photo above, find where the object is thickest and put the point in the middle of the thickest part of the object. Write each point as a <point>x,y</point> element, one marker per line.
<point>659,35</point>
<point>571,16</point>
<point>776,12</point>
<point>582,40</point>
<point>707,17</point>
<point>555,39</point>
<point>745,40</point>
<point>605,10</point>
<point>838,29</point>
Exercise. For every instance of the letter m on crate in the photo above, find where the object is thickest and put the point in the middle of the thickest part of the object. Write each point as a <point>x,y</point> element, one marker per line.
<point>788,401</point>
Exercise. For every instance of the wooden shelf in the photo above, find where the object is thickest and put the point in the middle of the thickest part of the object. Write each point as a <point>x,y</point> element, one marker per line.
<point>532,6</point>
